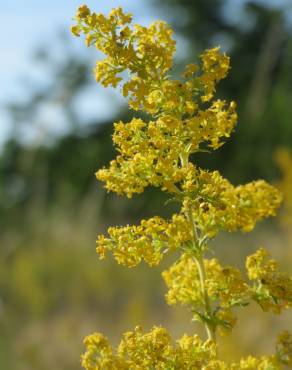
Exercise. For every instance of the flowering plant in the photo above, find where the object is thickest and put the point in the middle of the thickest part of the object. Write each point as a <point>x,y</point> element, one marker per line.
<point>184,119</point>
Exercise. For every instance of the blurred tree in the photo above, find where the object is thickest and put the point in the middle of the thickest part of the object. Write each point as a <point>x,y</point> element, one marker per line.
<point>199,21</point>
<point>50,166</point>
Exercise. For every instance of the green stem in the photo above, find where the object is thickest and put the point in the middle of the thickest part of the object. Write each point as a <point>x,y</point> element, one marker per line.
<point>210,329</point>
<point>198,258</point>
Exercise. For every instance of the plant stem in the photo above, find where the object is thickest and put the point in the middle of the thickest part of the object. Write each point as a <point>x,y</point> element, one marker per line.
<point>207,306</point>
<point>198,258</point>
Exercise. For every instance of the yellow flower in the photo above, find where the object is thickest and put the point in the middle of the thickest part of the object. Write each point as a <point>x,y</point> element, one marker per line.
<point>156,350</point>
<point>284,348</point>
<point>153,350</point>
<point>272,289</point>
<point>284,161</point>
<point>147,241</point>
<point>184,119</point>
<point>218,205</point>
<point>225,287</point>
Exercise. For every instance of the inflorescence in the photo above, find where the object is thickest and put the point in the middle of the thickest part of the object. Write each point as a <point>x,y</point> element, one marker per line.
<point>184,118</point>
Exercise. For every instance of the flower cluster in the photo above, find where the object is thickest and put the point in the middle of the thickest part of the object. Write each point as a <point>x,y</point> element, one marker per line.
<point>225,287</point>
<point>284,348</point>
<point>272,289</point>
<point>183,118</point>
<point>149,153</point>
<point>153,350</point>
<point>148,241</point>
<point>225,284</point>
<point>156,350</point>
<point>147,53</point>
<point>218,205</point>
<point>156,153</point>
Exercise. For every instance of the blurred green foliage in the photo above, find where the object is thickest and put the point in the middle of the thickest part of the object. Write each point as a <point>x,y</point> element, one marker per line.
<point>53,291</point>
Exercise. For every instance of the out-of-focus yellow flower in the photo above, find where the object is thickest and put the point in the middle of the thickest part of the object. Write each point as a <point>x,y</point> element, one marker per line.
<point>284,348</point>
<point>284,160</point>
<point>272,289</point>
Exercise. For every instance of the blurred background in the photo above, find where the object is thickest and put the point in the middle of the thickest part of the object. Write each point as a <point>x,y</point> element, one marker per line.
<point>56,126</point>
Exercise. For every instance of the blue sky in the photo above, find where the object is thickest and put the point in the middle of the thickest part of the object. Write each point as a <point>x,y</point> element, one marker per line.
<point>27,24</point>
